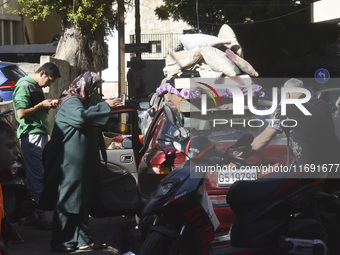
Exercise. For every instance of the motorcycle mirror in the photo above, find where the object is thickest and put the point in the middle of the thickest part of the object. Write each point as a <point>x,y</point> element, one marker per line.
<point>180,118</point>
<point>170,114</point>
<point>152,112</point>
<point>243,141</point>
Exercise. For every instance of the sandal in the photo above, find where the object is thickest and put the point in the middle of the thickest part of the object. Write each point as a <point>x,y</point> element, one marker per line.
<point>86,247</point>
<point>93,246</point>
<point>99,246</point>
<point>63,249</point>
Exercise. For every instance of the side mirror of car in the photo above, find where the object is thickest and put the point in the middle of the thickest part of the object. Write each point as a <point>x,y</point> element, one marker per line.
<point>127,142</point>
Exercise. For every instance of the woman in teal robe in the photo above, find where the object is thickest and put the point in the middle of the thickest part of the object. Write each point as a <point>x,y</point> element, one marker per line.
<point>72,163</point>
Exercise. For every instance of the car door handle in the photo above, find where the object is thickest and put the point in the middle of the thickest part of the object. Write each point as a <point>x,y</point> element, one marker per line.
<point>126,158</point>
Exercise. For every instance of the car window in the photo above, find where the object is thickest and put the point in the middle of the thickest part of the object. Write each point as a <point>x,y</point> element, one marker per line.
<point>116,129</point>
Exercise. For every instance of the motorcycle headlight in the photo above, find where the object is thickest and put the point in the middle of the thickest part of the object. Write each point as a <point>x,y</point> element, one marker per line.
<point>164,188</point>
<point>161,169</point>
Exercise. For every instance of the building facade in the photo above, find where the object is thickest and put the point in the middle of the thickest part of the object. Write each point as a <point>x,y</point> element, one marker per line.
<point>163,36</point>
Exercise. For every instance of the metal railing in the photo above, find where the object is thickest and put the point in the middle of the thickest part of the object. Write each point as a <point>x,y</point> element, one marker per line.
<point>161,44</point>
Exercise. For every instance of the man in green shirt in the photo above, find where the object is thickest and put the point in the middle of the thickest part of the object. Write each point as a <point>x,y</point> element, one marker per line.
<point>31,109</point>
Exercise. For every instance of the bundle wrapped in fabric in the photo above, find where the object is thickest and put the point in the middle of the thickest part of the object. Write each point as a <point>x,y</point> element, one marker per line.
<point>226,32</point>
<point>209,56</point>
<point>193,41</point>
<point>218,61</point>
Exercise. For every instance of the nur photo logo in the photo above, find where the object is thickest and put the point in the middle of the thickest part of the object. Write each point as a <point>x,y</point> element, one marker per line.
<point>238,95</point>
<point>204,101</point>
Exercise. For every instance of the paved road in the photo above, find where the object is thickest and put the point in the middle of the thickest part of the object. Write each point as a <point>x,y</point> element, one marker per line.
<point>109,230</point>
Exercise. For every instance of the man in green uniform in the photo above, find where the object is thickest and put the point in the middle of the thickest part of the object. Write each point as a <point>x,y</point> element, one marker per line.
<point>31,109</point>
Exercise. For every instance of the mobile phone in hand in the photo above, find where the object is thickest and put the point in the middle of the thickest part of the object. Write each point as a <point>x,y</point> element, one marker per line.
<point>122,97</point>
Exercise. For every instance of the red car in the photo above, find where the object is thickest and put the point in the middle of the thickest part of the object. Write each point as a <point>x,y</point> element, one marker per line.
<point>158,157</point>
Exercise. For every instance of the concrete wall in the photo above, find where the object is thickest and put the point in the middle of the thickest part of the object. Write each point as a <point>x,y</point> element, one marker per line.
<point>67,72</point>
<point>6,106</point>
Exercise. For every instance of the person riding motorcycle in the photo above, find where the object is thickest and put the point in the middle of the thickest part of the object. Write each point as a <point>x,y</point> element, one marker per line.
<point>315,146</point>
<point>312,139</point>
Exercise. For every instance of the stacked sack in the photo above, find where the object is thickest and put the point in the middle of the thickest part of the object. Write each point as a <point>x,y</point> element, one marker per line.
<point>211,56</point>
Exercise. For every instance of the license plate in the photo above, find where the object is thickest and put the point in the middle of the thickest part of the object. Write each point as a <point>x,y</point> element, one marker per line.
<point>226,178</point>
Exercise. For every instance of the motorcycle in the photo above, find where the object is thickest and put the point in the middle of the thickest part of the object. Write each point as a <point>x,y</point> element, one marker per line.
<point>273,215</point>
<point>283,216</point>
<point>184,221</point>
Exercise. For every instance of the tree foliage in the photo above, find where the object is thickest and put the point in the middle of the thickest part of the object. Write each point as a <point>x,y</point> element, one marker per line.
<point>86,15</point>
<point>213,13</point>
<point>268,30</point>
<point>92,19</point>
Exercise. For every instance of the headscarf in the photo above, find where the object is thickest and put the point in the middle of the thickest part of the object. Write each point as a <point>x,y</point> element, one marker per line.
<point>81,87</point>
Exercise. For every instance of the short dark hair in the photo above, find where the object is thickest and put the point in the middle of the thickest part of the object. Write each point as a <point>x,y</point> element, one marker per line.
<point>50,69</point>
<point>6,129</point>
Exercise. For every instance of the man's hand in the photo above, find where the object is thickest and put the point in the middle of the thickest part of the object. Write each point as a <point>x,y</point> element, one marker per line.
<point>47,104</point>
<point>54,102</point>
<point>23,113</point>
<point>263,139</point>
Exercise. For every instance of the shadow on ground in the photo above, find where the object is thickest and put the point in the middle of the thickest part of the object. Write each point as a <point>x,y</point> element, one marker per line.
<point>116,232</point>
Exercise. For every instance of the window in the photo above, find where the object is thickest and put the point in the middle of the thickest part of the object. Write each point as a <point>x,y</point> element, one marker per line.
<point>7,32</point>
<point>11,32</point>
<point>156,46</point>
<point>161,44</point>
<point>1,34</point>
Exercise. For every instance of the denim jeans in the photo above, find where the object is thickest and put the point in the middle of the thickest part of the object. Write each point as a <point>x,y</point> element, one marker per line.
<point>32,147</point>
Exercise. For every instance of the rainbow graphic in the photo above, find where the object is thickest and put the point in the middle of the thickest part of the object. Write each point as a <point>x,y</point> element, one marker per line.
<point>209,93</point>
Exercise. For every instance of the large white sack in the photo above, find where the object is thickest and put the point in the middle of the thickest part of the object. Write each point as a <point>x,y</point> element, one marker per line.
<point>191,41</point>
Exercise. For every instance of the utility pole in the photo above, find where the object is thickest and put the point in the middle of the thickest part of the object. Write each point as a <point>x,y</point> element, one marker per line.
<point>121,45</point>
<point>137,27</point>
<point>135,73</point>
